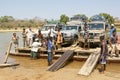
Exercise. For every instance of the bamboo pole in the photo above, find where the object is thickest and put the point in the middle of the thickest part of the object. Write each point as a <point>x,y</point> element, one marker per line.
<point>8,51</point>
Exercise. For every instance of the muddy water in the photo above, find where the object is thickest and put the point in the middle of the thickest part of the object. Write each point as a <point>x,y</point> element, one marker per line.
<point>40,63</point>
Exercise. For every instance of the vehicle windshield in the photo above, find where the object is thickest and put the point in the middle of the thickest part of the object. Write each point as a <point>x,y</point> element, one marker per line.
<point>69,28</point>
<point>45,28</point>
<point>96,26</point>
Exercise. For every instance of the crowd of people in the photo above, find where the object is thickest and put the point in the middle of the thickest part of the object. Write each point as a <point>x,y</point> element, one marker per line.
<point>36,41</point>
<point>113,41</point>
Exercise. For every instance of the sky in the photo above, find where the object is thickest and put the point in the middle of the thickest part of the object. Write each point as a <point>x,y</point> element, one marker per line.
<point>53,9</point>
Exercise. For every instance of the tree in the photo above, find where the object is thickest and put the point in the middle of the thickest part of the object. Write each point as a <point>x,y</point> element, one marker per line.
<point>6,18</point>
<point>64,19</point>
<point>108,17</point>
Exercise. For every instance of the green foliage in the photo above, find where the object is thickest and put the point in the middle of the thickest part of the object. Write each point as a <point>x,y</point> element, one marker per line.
<point>53,21</point>
<point>8,22</point>
<point>108,17</point>
<point>64,19</point>
<point>6,19</point>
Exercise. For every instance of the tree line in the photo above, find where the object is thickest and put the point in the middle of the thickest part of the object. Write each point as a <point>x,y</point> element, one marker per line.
<point>9,22</point>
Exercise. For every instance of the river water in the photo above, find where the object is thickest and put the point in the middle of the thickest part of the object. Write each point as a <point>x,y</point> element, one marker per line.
<point>5,38</point>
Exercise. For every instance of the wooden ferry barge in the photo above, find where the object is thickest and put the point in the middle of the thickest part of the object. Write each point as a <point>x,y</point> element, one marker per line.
<point>78,53</point>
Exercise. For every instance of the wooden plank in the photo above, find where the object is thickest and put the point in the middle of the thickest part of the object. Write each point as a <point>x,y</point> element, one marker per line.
<point>8,51</point>
<point>20,54</point>
<point>61,61</point>
<point>8,65</point>
<point>89,64</point>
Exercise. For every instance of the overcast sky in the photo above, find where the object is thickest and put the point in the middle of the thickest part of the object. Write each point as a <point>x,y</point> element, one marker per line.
<point>52,9</point>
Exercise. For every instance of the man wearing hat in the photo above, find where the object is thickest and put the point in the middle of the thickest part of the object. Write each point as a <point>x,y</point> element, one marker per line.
<point>113,39</point>
<point>113,29</point>
<point>35,47</point>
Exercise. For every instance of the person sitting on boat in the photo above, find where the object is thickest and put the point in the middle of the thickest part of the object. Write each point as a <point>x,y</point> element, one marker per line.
<point>113,29</point>
<point>35,48</point>
<point>114,43</point>
<point>15,39</point>
<point>103,54</point>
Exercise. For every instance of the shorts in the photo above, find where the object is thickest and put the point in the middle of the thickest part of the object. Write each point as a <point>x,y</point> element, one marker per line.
<point>103,61</point>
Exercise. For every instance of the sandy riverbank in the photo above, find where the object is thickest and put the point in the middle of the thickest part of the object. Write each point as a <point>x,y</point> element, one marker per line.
<point>17,30</point>
<point>10,30</point>
<point>37,70</point>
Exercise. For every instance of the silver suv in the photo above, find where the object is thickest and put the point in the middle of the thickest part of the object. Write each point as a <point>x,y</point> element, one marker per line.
<point>96,29</point>
<point>71,33</point>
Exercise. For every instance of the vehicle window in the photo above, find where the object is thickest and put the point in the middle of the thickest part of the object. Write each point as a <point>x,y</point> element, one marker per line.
<point>71,27</point>
<point>63,28</point>
<point>45,28</point>
<point>96,26</point>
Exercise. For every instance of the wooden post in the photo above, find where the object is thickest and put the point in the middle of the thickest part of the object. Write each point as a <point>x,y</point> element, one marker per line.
<point>8,51</point>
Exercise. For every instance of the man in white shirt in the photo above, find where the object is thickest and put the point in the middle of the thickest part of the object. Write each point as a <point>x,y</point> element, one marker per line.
<point>35,47</point>
<point>29,34</point>
<point>52,33</point>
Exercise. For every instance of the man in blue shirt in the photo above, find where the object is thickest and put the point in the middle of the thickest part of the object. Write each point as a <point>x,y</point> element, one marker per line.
<point>112,30</point>
<point>49,50</point>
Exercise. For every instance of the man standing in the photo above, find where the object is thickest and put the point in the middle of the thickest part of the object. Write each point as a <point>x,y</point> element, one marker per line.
<point>86,36</point>
<point>29,34</point>
<point>52,34</point>
<point>24,38</point>
<point>59,39</point>
<point>49,50</point>
<point>15,39</point>
<point>103,54</point>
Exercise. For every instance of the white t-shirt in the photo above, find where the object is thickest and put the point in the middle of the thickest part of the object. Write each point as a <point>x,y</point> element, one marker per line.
<point>53,32</point>
<point>29,33</point>
<point>36,46</point>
